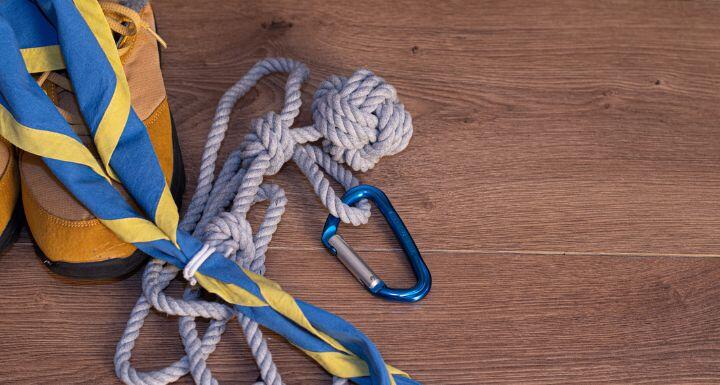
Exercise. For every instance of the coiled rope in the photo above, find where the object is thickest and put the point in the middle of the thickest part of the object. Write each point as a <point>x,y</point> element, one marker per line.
<point>359,120</point>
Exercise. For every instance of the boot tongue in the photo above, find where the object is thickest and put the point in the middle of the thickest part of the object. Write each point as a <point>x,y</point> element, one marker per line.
<point>66,101</point>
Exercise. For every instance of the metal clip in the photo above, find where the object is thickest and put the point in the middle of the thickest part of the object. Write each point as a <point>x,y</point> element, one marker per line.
<point>357,266</point>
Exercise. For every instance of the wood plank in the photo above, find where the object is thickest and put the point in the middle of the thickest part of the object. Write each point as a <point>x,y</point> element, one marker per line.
<point>491,318</point>
<point>553,127</point>
<point>564,170</point>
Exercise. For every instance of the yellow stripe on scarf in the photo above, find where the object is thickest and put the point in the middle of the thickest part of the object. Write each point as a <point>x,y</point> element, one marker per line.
<point>346,366</point>
<point>46,144</point>
<point>134,230</point>
<point>42,59</point>
<point>230,293</point>
<point>166,214</point>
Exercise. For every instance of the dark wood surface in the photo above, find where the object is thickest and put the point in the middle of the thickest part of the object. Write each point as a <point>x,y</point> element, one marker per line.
<point>562,183</point>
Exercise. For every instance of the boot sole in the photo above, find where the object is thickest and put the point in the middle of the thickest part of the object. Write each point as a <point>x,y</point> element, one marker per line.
<point>118,267</point>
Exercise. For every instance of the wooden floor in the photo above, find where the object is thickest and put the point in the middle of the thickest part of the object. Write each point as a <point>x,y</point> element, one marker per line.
<point>563,185</point>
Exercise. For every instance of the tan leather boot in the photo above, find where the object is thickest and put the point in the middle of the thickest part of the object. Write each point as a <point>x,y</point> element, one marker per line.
<point>10,211</point>
<point>67,237</point>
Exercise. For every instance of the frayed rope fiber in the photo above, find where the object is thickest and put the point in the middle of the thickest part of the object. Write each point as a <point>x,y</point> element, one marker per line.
<point>359,120</point>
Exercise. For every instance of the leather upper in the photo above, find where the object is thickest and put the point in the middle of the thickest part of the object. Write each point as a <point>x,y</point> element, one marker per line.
<point>63,229</point>
<point>8,184</point>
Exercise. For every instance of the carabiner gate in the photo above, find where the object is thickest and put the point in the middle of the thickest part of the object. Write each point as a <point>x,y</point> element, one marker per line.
<point>357,266</point>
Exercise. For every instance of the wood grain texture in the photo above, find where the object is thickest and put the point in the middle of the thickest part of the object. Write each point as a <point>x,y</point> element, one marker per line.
<point>562,183</point>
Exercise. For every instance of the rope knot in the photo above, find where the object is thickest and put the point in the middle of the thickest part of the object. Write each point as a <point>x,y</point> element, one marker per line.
<point>361,119</point>
<point>229,234</point>
<point>271,135</point>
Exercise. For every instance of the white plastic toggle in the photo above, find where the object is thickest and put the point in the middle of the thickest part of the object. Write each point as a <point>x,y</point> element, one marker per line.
<point>195,262</point>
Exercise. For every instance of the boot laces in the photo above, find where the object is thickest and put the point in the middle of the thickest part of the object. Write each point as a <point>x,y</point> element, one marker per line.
<point>123,21</point>
<point>127,23</point>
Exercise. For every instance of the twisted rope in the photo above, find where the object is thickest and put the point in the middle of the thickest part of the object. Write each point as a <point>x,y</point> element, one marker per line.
<point>359,119</point>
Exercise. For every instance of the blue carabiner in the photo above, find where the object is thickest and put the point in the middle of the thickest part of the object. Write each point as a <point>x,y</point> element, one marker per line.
<point>357,266</point>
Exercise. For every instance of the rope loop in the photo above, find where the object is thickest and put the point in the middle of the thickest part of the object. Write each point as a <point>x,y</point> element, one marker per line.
<point>195,262</point>
<point>230,234</point>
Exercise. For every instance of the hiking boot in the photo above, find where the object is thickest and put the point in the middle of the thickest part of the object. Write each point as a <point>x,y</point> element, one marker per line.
<point>10,211</point>
<point>67,237</point>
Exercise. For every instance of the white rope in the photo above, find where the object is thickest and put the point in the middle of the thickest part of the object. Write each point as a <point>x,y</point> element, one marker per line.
<point>359,120</point>
<point>195,262</point>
